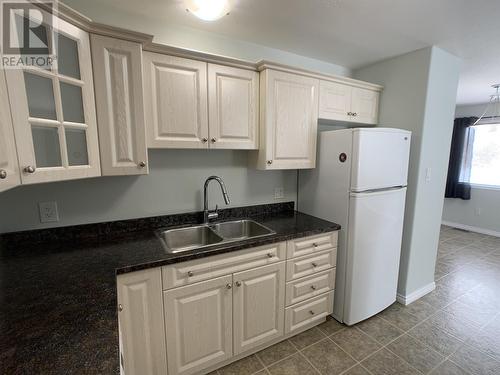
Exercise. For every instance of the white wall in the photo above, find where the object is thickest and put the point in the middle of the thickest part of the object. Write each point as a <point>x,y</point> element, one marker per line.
<point>419,95</point>
<point>185,37</point>
<point>464,213</point>
<point>174,185</point>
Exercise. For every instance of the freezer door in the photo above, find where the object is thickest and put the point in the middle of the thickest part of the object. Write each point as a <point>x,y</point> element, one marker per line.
<point>373,252</point>
<point>379,158</point>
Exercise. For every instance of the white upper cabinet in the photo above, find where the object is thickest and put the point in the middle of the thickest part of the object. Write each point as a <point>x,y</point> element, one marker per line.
<point>9,169</point>
<point>175,92</point>
<point>120,106</point>
<point>233,97</point>
<point>288,121</point>
<point>343,102</point>
<point>364,105</point>
<point>53,110</point>
<point>334,101</point>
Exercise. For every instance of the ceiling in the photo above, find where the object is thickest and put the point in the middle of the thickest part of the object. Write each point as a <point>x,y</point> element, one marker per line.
<point>355,33</point>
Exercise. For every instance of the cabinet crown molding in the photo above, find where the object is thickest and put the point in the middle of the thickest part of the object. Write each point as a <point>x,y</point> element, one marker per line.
<point>83,22</point>
<point>265,64</point>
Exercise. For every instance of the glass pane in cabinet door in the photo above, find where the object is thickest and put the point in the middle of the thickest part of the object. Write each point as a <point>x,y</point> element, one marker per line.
<point>67,56</point>
<point>72,103</point>
<point>46,145</point>
<point>76,141</point>
<point>40,93</point>
<point>29,34</point>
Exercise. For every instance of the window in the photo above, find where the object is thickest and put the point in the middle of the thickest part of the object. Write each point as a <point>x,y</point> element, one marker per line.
<point>481,164</point>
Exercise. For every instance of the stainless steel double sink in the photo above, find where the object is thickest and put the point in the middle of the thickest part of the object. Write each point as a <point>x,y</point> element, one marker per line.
<point>201,236</point>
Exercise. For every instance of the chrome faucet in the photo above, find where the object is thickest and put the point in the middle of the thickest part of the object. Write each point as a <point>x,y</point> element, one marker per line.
<point>211,215</point>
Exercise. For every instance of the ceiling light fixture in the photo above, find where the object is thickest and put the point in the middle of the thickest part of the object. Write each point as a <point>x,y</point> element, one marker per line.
<point>208,10</point>
<point>491,114</point>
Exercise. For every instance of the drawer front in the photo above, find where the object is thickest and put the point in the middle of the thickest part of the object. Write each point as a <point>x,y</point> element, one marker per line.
<point>310,245</point>
<point>311,286</point>
<point>311,264</point>
<point>185,273</point>
<point>307,312</point>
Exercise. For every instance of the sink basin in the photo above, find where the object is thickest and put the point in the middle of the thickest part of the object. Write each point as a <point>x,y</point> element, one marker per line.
<point>241,230</point>
<point>184,239</point>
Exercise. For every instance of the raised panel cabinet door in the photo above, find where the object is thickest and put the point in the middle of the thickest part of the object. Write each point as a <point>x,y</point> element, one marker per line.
<point>53,109</point>
<point>120,106</point>
<point>233,101</point>
<point>140,317</point>
<point>364,105</point>
<point>334,101</point>
<point>290,120</point>
<point>258,306</point>
<point>199,322</point>
<point>9,168</point>
<point>175,91</point>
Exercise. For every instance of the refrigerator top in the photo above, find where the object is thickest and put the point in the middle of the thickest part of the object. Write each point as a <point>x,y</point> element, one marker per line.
<point>371,130</point>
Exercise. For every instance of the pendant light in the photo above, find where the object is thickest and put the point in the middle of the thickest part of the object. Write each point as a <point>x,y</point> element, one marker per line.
<point>208,10</point>
<point>491,114</point>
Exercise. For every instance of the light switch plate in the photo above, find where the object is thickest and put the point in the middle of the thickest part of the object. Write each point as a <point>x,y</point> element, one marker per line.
<point>279,193</point>
<point>48,212</point>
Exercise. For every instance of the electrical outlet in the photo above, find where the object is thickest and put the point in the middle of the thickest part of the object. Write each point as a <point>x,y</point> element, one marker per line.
<point>279,193</point>
<point>428,174</point>
<point>48,212</point>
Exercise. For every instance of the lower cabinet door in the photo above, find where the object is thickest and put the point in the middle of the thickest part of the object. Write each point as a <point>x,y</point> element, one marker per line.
<point>140,318</point>
<point>198,323</point>
<point>258,306</point>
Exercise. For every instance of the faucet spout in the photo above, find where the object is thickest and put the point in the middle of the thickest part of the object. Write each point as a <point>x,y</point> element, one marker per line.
<point>214,214</point>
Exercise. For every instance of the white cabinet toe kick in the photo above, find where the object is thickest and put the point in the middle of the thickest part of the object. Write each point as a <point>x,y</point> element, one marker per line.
<point>196,316</point>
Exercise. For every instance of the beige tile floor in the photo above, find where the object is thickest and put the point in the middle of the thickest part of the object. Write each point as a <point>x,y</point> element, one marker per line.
<point>453,330</point>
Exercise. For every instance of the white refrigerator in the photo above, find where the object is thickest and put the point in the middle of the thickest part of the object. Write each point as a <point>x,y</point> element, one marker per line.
<point>360,183</point>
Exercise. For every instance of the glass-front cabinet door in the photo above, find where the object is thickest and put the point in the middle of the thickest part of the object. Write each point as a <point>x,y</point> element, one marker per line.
<point>53,109</point>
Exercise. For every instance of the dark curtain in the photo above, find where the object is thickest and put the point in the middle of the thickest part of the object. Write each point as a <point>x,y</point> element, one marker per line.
<point>457,183</point>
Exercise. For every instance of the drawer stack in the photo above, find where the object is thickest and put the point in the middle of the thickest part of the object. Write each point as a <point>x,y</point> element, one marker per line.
<point>310,280</point>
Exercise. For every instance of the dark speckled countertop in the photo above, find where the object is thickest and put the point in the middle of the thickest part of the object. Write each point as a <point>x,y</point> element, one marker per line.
<point>58,286</point>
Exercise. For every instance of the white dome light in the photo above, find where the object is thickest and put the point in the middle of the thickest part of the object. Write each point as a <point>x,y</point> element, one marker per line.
<point>208,10</point>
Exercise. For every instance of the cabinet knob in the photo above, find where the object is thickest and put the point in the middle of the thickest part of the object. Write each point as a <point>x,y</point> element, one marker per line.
<point>238,283</point>
<point>269,162</point>
<point>313,287</point>
<point>270,255</point>
<point>3,174</point>
<point>354,114</point>
<point>349,113</point>
<point>142,164</point>
<point>29,169</point>
<point>228,286</point>
<point>204,140</point>
<point>190,273</point>
<point>311,312</point>
<point>120,307</point>
<point>314,264</point>
<point>315,244</point>
<point>213,140</point>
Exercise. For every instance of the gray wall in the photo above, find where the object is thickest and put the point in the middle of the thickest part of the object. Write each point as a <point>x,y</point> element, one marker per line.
<point>185,37</point>
<point>419,95</point>
<point>175,184</point>
<point>480,213</point>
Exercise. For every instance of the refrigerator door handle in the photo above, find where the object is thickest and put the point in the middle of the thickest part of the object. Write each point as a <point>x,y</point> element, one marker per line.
<point>371,191</point>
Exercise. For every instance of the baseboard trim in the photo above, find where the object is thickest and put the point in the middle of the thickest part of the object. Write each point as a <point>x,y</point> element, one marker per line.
<point>412,297</point>
<point>471,228</point>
